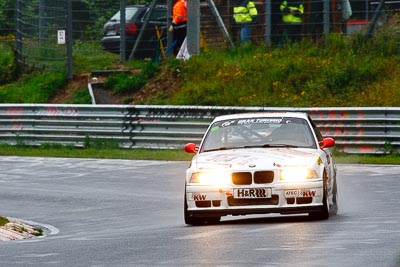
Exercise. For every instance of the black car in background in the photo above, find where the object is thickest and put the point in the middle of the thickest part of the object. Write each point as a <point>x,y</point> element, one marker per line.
<point>135,18</point>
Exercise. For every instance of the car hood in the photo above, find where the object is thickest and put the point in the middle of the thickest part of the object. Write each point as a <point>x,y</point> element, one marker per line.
<point>256,158</point>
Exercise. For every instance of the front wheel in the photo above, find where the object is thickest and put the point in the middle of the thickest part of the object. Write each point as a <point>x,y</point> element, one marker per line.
<point>334,208</point>
<point>187,217</point>
<point>323,214</point>
<point>197,220</point>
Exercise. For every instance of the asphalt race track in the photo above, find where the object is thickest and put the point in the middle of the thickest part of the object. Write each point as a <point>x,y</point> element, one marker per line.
<point>130,213</point>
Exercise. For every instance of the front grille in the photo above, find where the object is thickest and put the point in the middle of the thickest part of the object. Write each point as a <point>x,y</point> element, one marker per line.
<point>264,177</point>
<point>241,178</point>
<point>299,200</point>
<point>304,200</point>
<point>216,203</point>
<point>290,200</point>
<point>246,178</point>
<point>274,200</point>
<point>207,203</point>
<point>203,204</point>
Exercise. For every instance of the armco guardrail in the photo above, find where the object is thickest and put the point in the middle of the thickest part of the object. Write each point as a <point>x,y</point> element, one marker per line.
<point>356,130</point>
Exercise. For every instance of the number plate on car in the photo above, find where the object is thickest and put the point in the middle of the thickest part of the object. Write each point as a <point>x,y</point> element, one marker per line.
<point>300,193</point>
<point>252,193</point>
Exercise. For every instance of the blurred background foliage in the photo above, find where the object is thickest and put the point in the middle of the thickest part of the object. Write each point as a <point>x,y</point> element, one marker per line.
<point>338,70</point>
<point>342,71</point>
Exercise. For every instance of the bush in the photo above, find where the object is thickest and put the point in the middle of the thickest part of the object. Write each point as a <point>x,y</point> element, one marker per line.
<point>8,68</point>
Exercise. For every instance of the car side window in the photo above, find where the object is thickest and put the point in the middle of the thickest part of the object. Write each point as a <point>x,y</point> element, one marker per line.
<point>159,15</point>
<point>130,13</point>
<point>316,130</point>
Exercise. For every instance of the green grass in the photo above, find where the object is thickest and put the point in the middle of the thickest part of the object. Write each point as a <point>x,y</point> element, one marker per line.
<point>95,152</point>
<point>367,159</point>
<point>37,88</point>
<point>344,73</point>
<point>3,221</point>
<point>124,82</point>
<point>37,83</point>
<point>337,72</point>
<point>90,56</point>
<point>159,154</point>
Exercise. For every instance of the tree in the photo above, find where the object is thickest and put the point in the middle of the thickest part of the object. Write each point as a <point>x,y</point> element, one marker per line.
<point>7,18</point>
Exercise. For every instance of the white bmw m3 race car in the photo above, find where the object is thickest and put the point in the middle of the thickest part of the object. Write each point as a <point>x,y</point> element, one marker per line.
<point>258,163</point>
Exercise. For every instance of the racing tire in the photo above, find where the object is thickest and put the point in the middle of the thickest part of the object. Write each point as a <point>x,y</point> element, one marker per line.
<point>197,220</point>
<point>189,219</point>
<point>212,220</point>
<point>334,209</point>
<point>323,214</point>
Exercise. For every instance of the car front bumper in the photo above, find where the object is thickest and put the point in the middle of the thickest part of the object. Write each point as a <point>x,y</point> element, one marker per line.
<point>284,198</point>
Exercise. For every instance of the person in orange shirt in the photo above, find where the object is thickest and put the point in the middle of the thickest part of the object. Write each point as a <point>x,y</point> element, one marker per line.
<point>179,20</point>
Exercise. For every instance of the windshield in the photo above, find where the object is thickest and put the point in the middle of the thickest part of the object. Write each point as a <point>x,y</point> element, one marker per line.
<point>259,132</point>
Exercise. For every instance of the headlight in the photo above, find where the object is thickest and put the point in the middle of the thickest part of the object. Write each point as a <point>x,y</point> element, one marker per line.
<point>210,178</point>
<point>297,174</point>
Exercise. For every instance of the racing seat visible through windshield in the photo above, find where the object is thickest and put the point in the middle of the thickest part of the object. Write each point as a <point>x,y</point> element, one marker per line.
<point>291,134</point>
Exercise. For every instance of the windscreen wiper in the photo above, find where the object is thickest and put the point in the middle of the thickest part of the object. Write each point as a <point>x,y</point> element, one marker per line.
<point>216,149</point>
<point>281,145</point>
<point>270,145</point>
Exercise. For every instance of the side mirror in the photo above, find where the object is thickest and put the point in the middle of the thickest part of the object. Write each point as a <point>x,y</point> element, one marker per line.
<point>327,142</point>
<point>191,148</point>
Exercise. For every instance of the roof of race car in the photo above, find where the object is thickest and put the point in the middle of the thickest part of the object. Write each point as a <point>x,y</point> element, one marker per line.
<point>300,115</point>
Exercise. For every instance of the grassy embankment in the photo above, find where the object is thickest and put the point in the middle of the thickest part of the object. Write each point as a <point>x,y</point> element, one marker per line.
<point>338,72</point>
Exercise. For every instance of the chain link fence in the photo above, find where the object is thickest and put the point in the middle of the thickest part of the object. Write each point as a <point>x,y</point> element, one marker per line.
<point>42,29</point>
<point>39,28</point>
